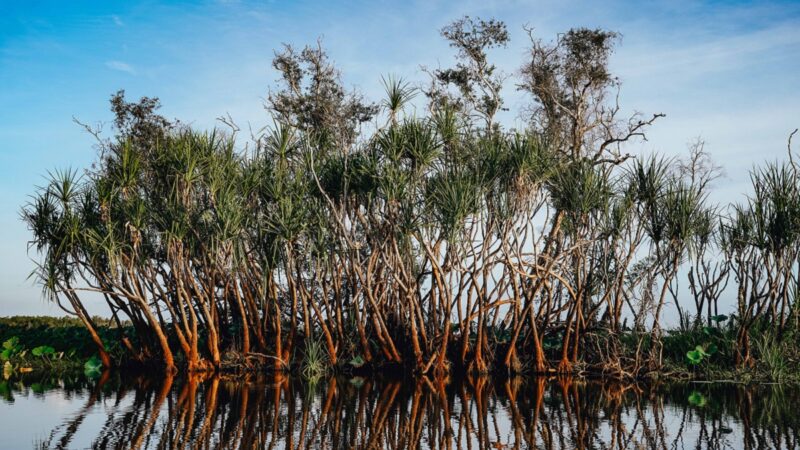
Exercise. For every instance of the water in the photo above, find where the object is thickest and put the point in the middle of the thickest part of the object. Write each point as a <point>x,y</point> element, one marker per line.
<point>343,413</point>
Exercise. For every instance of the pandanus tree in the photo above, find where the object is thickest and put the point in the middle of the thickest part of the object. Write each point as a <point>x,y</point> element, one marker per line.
<point>672,211</point>
<point>709,272</point>
<point>455,198</point>
<point>56,219</point>
<point>736,239</point>
<point>579,191</point>
<point>518,197</point>
<point>761,242</point>
<point>570,85</point>
<point>417,240</point>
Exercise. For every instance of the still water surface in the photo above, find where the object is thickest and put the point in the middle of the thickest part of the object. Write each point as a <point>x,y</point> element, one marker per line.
<point>361,413</point>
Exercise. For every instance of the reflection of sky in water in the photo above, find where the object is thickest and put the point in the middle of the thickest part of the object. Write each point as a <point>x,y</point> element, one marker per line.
<point>32,416</point>
<point>345,414</point>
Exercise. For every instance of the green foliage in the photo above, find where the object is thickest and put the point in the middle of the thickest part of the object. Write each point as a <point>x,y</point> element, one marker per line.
<point>702,347</point>
<point>315,361</point>
<point>453,197</point>
<point>773,357</point>
<point>398,93</point>
<point>697,399</point>
<point>93,367</point>
<point>43,350</point>
<point>700,353</point>
<point>64,334</point>
<point>580,189</point>
<point>357,361</point>
<point>11,347</point>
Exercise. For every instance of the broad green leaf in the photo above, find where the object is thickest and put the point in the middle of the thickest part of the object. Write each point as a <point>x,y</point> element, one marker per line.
<point>694,356</point>
<point>358,361</point>
<point>11,344</point>
<point>92,367</point>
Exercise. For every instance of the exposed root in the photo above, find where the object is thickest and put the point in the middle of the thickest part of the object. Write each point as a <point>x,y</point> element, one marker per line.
<point>564,366</point>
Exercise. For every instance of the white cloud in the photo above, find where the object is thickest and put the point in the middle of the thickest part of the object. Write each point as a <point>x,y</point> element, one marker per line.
<point>714,55</point>
<point>117,21</point>
<point>121,66</point>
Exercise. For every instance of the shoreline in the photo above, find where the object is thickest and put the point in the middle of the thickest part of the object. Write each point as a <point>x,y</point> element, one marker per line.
<point>32,331</point>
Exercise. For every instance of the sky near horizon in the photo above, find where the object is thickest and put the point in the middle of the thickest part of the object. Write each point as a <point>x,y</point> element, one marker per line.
<point>725,71</point>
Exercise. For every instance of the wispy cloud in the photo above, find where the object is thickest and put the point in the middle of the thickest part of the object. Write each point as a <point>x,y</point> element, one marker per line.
<point>117,21</point>
<point>121,67</point>
<point>715,55</point>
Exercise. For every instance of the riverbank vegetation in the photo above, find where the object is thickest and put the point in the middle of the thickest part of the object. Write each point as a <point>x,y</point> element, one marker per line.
<point>54,344</point>
<point>419,232</point>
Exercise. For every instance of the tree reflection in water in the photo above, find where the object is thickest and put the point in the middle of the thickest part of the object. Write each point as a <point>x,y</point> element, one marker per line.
<point>477,413</point>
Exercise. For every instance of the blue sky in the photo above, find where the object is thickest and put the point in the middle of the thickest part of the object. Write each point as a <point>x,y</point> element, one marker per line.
<point>725,71</point>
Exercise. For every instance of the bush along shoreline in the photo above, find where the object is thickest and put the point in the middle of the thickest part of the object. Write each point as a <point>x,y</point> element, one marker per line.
<point>25,349</point>
<point>418,233</point>
<point>54,344</point>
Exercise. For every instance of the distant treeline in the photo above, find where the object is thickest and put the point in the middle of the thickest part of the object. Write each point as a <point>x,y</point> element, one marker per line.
<point>430,240</point>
